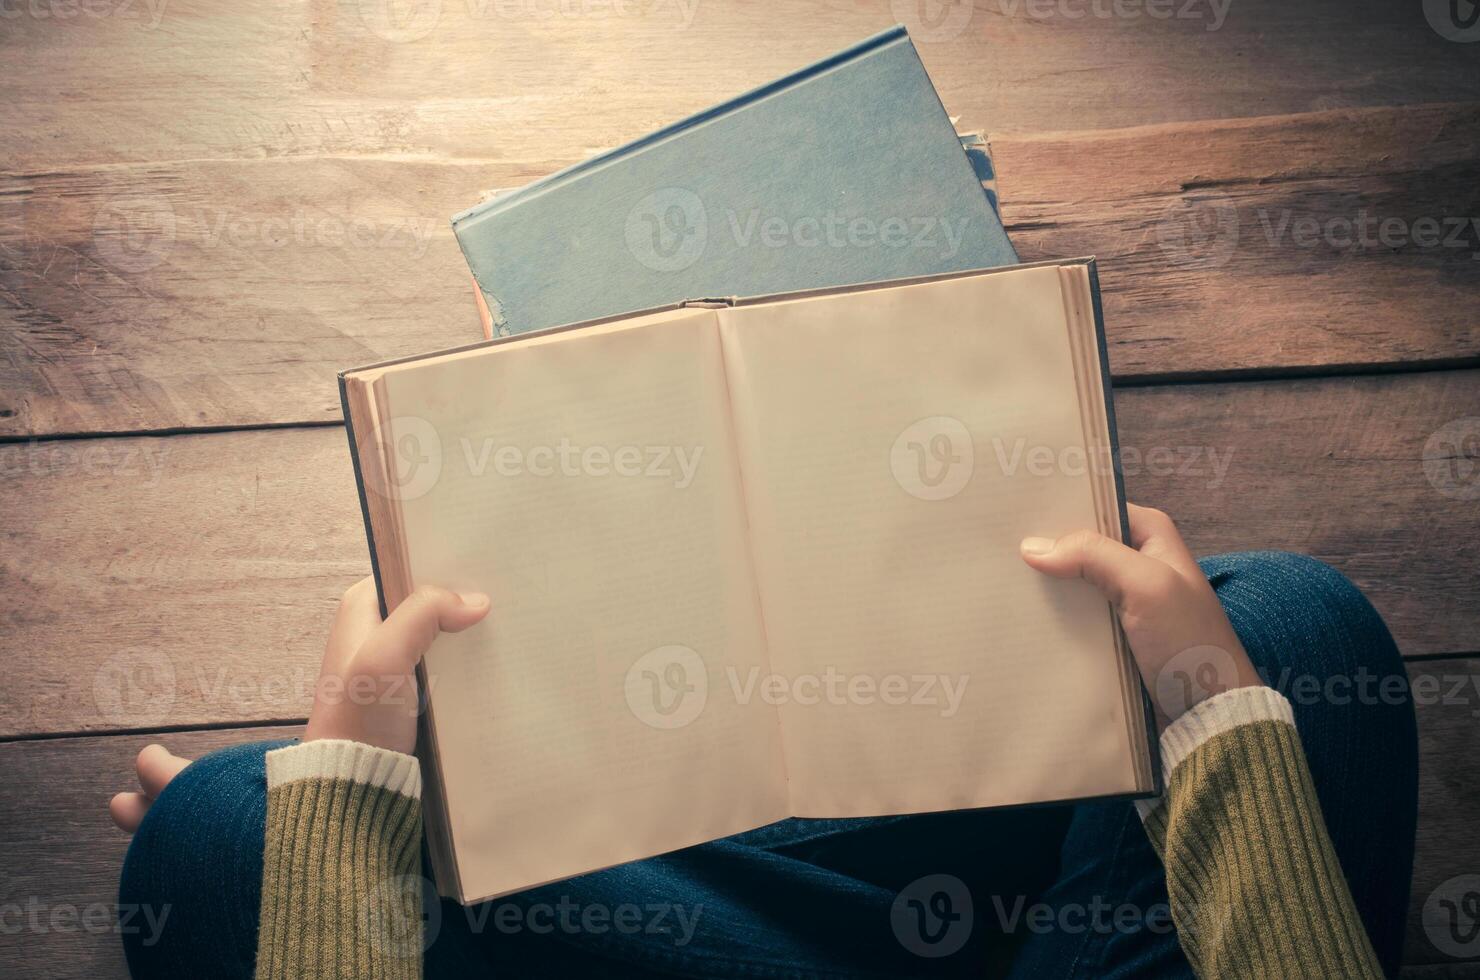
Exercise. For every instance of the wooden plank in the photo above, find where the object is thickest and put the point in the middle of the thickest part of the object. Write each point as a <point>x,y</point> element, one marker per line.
<point>173,581</point>
<point>61,852</point>
<point>223,293</point>
<point>189,579</point>
<point>1324,241</point>
<point>149,80</point>
<point>1446,862</point>
<point>1339,468</point>
<point>228,293</point>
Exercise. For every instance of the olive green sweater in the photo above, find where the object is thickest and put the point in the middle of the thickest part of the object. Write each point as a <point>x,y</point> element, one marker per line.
<point>1255,887</point>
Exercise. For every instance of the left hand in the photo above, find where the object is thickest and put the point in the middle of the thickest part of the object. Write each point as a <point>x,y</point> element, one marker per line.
<point>367,685</point>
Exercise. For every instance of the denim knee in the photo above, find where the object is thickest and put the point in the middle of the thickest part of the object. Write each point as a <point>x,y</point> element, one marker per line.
<point>192,879</point>
<point>1295,613</point>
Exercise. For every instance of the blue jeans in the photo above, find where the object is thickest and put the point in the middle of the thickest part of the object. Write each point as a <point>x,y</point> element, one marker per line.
<point>1032,892</point>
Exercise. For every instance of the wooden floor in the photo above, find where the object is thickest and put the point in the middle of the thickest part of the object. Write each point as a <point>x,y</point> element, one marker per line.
<point>208,207</point>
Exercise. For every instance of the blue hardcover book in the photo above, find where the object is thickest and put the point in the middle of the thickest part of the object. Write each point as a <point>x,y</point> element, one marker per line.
<point>848,171</point>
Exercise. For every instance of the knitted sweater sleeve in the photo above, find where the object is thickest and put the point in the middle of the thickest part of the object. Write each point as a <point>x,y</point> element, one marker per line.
<point>1255,886</point>
<point>341,877</point>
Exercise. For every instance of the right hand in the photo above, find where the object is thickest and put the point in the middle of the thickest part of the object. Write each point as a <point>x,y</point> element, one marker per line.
<point>1183,643</point>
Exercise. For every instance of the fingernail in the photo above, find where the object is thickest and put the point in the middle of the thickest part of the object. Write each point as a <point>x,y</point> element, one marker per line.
<point>1037,546</point>
<point>474,599</point>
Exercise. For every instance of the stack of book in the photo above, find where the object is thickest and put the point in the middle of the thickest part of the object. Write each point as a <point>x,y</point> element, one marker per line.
<point>763,412</point>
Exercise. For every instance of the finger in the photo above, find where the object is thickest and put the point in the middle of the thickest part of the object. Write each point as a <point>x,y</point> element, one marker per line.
<point>127,810</point>
<point>1153,533</point>
<point>407,633</point>
<point>156,766</point>
<point>1117,571</point>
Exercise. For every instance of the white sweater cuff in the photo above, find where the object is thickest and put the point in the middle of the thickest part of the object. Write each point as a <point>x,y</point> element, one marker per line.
<point>343,759</point>
<point>1211,718</point>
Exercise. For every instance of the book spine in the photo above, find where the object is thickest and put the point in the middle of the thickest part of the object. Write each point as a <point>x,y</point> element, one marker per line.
<point>1153,743</point>
<point>354,458</point>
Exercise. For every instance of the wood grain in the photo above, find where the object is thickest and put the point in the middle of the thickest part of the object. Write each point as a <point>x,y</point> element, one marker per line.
<point>226,293</point>
<point>149,81</point>
<point>1448,798</point>
<point>61,852</point>
<point>1338,468</point>
<point>1317,242</point>
<point>223,293</point>
<point>189,579</point>
<point>173,581</point>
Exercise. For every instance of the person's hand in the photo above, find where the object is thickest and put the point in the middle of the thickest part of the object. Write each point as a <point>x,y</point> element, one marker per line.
<point>154,767</point>
<point>367,685</point>
<point>1183,643</point>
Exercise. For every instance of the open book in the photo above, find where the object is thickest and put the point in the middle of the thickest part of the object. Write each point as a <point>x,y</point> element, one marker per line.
<point>752,559</point>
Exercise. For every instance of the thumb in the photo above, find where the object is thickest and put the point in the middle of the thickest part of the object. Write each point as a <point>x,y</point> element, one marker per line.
<point>1116,570</point>
<point>408,632</point>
